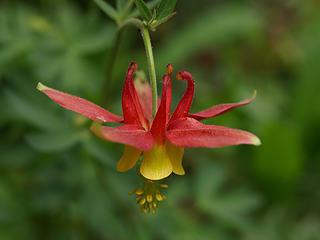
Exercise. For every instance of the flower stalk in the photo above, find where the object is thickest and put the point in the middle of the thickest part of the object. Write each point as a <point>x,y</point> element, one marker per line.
<point>152,72</point>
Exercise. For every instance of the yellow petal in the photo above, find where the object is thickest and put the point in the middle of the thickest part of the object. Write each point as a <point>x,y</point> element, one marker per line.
<point>156,163</point>
<point>175,154</point>
<point>129,158</point>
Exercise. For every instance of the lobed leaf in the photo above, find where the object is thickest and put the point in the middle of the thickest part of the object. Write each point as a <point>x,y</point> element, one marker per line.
<point>106,8</point>
<point>151,5</point>
<point>144,10</point>
<point>165,8</point>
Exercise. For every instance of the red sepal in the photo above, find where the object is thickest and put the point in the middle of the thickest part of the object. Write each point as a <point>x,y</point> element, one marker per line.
<point>132,135</point>
<point>190,133</point>
<point>220,109</point>
<point>79,105</point>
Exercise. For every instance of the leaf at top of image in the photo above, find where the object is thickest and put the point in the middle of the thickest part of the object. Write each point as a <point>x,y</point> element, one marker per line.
<point>107,9</point>
<point>144,10</point>
<point>165,8</point>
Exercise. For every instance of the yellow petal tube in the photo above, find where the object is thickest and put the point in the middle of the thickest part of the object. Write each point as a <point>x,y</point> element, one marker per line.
<point>175,154</point>
<point>129,158</point>
<point>156,163</point>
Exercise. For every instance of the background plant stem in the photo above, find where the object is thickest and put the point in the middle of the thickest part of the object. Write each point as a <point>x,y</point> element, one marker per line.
<point>111,62</point>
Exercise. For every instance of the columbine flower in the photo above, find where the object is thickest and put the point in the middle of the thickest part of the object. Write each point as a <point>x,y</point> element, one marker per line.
<point>161,140</point>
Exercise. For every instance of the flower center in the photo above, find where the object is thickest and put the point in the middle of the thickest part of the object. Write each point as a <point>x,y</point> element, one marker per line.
<point>149,196</point>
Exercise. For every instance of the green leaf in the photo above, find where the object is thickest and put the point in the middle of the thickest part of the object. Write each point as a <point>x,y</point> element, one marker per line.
<point>100,152</point>
<point>156,23</point>
<point>165,8</point>
<point>279,180</point>
<point>33,113</point>
<point>19,156</point>
<point>144,10</point>
<point>50,142</point>
<point>229,206</point>
<point>105,7</point>
<point>151,4</point>
<point>121,4</point>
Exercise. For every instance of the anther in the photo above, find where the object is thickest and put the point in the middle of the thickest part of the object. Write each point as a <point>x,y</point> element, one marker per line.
<point>139,191</point>
<point>179,76</point>
<point>159,197</point>
<point>138,198</point>
<point>149,198</point>
<point>150,205</point>
<point>169,68</point>
<point>142,201</point>
<point>132,192</point>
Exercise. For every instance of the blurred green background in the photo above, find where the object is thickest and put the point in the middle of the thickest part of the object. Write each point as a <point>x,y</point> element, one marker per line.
<point>58,181</point>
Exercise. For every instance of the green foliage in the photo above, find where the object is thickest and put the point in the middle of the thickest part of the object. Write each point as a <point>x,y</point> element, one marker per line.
<point>144,10</point>
<point>109,10</point>
<point>150,4</point>
<point>279,162</point>
<point>58,180</point>
<point>50,142</point>
<point>165,8</point>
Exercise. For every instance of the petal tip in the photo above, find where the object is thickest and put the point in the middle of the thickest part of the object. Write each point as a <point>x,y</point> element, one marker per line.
<point>155,177</point>
<point>254,94</point>
<point>129,158</point>
<point>41,87</point>
<point>256,141</point>
<point>96,128</point>
<point>180,172</point>
<point>121,169</point>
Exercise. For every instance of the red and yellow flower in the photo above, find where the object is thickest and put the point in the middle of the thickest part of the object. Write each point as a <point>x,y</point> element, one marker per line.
<point>160,141</point>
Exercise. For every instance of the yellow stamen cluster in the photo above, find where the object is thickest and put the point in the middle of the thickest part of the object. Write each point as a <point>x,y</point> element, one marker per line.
<point>149,196</point>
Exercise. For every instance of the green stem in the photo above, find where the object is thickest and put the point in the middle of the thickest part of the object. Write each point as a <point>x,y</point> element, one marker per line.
<point>152,72</point>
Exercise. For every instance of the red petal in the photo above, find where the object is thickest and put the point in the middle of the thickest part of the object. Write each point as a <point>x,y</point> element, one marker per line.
<point>168,92</point>
<point>131,107</point>
<point>132,135</point>
<point>79,105</point>
<point>220,109</point>
<point>188,132</point>
<point>161,119</point>
<point>184,105</point>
